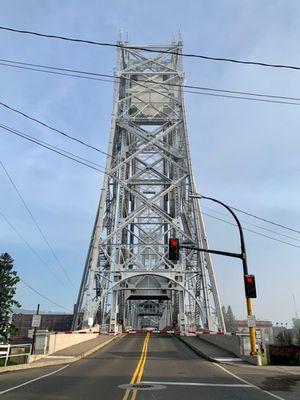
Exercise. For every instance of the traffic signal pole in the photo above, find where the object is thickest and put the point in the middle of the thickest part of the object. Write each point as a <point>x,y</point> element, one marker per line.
<point>242,256</point>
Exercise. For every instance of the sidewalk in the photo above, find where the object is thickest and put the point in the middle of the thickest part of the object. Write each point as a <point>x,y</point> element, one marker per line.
<point>67,355</point>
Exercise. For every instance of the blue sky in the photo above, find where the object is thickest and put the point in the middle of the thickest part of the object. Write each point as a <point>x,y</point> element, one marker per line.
<point>244,153</point>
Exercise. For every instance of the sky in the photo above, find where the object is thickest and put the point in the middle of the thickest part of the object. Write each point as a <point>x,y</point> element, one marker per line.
<point>245,153</point>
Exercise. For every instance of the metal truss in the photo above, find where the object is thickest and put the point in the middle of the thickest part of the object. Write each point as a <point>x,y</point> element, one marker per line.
<point>145,200</point>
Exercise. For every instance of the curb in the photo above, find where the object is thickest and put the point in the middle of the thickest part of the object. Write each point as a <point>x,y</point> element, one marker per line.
<point>196,350</point>
<point>58,362</point>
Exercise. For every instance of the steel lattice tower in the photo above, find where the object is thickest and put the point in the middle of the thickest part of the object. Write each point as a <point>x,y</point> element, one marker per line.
<point>145,201</point>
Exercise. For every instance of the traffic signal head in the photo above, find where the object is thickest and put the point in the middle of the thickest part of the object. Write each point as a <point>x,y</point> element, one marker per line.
<point>250,288</point>
<point>173,249</point>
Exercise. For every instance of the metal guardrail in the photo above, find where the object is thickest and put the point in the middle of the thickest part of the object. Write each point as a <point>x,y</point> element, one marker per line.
<point>8,351</point>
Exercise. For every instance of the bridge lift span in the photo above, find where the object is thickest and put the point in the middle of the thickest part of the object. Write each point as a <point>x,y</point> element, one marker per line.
<point>144,201</point>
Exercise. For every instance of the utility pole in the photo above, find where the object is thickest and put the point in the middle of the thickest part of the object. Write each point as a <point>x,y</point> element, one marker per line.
<point>36,321</point>
<point>248,279</point>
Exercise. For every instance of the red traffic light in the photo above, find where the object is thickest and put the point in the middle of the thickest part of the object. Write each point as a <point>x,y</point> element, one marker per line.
<point>173,249</point>
<point>250,287</point>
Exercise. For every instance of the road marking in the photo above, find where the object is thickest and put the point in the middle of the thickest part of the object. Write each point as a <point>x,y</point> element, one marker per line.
<point>199,384</point>
<point>139,378</point>
<point>248,383</point>
<point>229,359</point>
<point>138,372</point>
<point>33,380</point>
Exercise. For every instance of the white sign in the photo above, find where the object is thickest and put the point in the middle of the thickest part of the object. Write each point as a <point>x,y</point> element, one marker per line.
<point>36,321</point>
<point>251,321</point>
<point>30,333</point>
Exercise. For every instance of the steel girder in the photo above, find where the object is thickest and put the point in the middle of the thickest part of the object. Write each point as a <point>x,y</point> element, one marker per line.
<point>145,201</point>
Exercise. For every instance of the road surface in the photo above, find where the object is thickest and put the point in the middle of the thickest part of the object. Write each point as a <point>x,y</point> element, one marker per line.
<point>162,365</point>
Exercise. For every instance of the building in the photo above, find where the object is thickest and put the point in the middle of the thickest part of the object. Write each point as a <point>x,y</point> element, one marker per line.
<point>264,330</point>
<point>50,322</point>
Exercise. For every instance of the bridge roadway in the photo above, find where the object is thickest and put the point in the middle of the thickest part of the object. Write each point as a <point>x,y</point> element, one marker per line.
<point>153,360</point>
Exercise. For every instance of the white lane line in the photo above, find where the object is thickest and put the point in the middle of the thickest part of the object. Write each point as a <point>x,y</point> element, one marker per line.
<point>229,359</point>
<point>33,380</point>
<point>198,384</point>
<point>248,383</point>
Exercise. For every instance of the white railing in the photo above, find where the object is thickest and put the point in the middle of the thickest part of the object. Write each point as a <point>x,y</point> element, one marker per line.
<point>8,351</point>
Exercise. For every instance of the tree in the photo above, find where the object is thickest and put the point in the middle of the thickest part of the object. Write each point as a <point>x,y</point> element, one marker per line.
<point>229,319</point>
<point>8,282</point>
<point>297,336</point>
<point>296,330</point>
<point>285,338</point>
<point>296,323</point>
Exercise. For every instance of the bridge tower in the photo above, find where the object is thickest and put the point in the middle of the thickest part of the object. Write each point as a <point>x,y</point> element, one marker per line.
<point>128,277</point>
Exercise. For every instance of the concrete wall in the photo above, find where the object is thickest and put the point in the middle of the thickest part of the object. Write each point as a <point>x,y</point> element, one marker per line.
<point>227,342</point>
<point>60,341</point>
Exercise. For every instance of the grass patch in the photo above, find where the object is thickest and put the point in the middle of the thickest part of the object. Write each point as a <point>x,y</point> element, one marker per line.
<point>2,362</point>
<point>264,359</point>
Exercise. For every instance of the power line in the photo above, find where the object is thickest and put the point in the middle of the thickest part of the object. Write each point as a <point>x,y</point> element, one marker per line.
<point>58,150</point>
<point>52,128</point>
<point>36,223</point>
<point>265,220</point>
<point>30,247</point>
<point>54,72</point>
<point>36,141</point>
<point>43,296</point>
<point>12,130</point>
<point>104,172</point>
<point>152,50</point>
<point>256,226</point>
<point>254,96</point>
<point>163,83</point>
<point>252,231</point>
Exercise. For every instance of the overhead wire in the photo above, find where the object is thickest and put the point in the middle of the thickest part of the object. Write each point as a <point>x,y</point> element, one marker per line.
<point>13,130</point>
<point>265,220</point>
<point>95,164</point>
<point>228,94</point>
<point>162,83</point>
<point>251,224</point>
<point>43,296</point>
<point>104,172</point>
<point>37,225</point>
<point>151,50</point>
<point>53,128</point>
<point>252,231</point>
<point>38,142</point>
<point>43,262</point>
<point>55,72</point>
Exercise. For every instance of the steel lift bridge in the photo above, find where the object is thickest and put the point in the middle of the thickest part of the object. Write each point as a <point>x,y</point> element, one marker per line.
<point>128,278</point>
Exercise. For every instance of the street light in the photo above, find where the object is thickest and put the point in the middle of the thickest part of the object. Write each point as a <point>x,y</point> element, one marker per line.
<point>243,257</point>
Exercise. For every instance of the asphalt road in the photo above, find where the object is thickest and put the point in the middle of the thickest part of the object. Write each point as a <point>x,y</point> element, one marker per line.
<point>162,365</point>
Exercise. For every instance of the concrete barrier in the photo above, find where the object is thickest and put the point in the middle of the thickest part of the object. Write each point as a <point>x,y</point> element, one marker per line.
<point>40,364</point>
<point>59,341</point>
<point>228,342</point>
<point>233,344</point>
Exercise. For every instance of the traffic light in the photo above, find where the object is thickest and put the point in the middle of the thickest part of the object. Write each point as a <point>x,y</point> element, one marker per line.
<point>173,249</point>
<point>250,288</point>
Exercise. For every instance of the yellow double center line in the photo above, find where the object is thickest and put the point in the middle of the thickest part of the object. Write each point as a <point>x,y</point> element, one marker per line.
<point>138,372</point>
